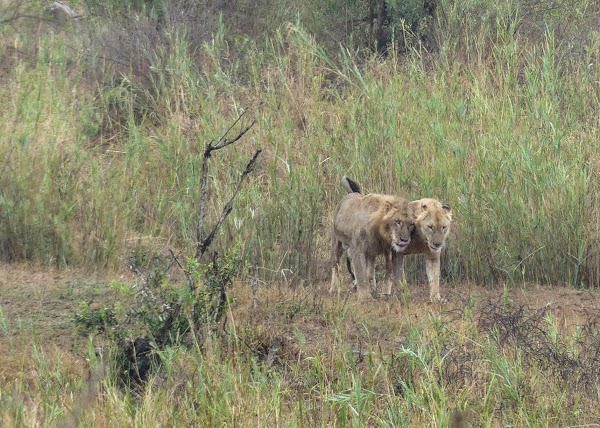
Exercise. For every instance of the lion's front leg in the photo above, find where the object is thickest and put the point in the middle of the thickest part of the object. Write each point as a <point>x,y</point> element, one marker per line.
<point>394,270</point>
<point>362,272</point>
<point>389,273</point>
<point>334,278</point>
<point>371,274</point>
<point>399,265</point>
<point>432,267</point>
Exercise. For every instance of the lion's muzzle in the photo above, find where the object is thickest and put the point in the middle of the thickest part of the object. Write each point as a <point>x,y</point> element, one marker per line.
<point>399,246</point>
<point>435,247</point>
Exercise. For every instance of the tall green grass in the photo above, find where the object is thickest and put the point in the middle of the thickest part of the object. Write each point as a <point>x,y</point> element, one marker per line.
<point>501,127</point>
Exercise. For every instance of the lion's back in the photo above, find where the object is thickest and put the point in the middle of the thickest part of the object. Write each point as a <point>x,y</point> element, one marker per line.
<point>355,208</point>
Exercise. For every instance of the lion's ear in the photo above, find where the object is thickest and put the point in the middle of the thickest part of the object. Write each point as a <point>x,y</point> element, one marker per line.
<point>415,207</point>
<point>448,210</point>
<point>421,216</point>
<point>411,213</point>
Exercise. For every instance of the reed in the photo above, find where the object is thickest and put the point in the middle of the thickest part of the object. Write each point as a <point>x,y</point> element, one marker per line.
<point>505,135</point>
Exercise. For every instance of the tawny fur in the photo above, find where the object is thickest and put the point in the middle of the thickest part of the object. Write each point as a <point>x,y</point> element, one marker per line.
<point>432,220</point>
<point>432,225</point>
<point>366,226</point>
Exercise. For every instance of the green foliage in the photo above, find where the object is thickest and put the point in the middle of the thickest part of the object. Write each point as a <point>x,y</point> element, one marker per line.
<point>499,121</point>
<point>216,277</point>
<point>411,22</point>
<point>164,314</point>
<point>95,321</point>
<point>122,288</point>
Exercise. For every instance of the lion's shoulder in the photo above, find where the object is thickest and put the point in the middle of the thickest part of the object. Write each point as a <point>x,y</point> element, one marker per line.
<point>369,210</point>
<point>369,202</point>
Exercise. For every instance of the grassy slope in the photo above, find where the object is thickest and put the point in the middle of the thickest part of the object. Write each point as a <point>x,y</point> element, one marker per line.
<point>302,358</point>
<point>508,140</point>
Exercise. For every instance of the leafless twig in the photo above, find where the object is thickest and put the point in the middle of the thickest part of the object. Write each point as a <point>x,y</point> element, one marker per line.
<point>203,243</point>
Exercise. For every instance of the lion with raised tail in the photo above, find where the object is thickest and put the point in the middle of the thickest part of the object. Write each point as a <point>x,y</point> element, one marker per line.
<point>432,220</point>
<point>366,226</point>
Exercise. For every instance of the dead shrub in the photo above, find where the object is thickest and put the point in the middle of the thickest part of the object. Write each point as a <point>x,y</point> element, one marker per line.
<point>527,331</point>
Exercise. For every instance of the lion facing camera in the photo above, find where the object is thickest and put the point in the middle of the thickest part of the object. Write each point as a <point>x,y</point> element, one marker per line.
<point>366,226</point>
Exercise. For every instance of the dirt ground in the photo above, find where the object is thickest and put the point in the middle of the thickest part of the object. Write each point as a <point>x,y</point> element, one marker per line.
<point>37,306</point>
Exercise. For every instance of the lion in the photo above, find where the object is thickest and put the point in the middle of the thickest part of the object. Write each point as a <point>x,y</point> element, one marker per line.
<point>432,225</point>
<point>366,226</point>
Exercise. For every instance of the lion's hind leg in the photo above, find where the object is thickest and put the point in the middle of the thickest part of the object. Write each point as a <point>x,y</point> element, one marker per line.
<point>337,250</point>
<point>351,269</point>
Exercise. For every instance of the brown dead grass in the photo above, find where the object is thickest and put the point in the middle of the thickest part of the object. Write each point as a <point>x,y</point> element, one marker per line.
<point>39,304</point>
<point>310,316</point>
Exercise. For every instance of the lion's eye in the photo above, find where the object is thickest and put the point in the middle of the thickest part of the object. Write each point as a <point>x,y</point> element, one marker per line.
<point>444,228</point>
<point>430,227</point>
<point>398,223</point>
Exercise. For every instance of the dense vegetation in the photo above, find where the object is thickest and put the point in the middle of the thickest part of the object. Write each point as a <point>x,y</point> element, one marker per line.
<point>490,106</point>
<point>493,109</point>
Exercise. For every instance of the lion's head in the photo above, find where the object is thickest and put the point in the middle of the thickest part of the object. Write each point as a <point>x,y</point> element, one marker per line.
<point>433,220</point>
<point>397,225</point>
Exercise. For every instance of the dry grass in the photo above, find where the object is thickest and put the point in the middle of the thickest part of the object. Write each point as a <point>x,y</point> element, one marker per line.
<point>498,122</point>
<point>313,351</point>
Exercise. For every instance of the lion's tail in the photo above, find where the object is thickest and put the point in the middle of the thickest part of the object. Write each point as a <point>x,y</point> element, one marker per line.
<point>350,185</point>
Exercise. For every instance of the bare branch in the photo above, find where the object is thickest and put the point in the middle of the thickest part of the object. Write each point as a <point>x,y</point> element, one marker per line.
<point>221,295</point>
<point>190,278</point>
<point>203,196</point>
<point>212,146</point>
<point>203,245</point>
<point>231,127</point>
<point>226,142</point>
